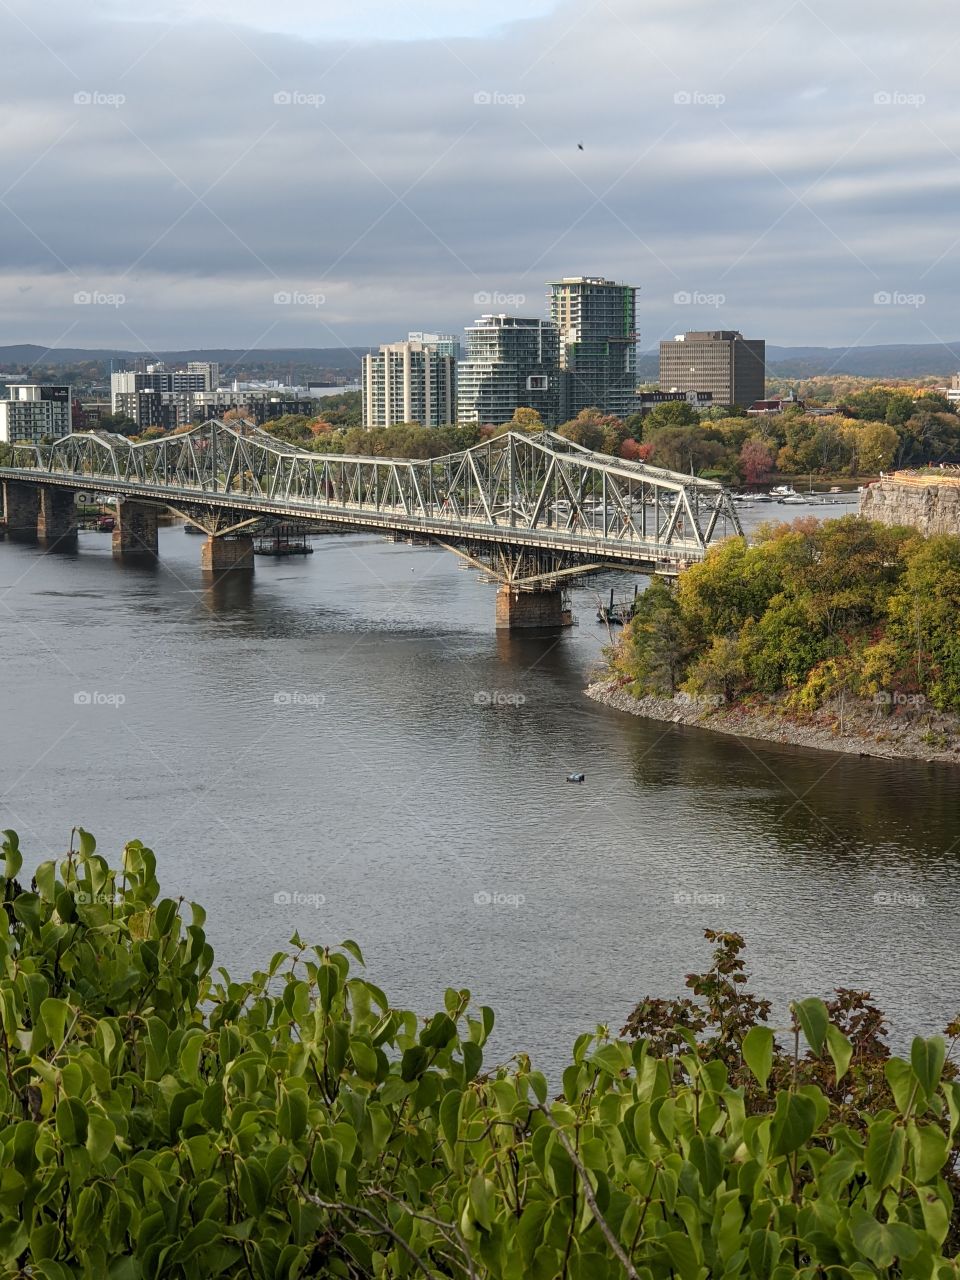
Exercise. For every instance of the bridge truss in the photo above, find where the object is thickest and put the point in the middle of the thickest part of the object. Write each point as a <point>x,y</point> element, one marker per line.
<point>529,510</point>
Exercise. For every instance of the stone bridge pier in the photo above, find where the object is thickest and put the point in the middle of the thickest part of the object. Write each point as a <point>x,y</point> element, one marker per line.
<point>57,523</point>
<point>135,532</point>
<point>21,508</point>
<point>227,554</point>
<point>538,610</point>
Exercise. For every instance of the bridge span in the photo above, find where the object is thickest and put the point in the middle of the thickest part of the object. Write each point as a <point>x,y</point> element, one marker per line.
<point>532,512</point>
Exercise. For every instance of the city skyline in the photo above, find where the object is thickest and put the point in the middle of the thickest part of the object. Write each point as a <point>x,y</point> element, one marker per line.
<point>230,184</point>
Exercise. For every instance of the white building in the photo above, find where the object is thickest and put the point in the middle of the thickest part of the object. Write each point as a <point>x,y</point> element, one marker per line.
<point>511,362</point>
<point>34,412</point>
<point>409,381</point>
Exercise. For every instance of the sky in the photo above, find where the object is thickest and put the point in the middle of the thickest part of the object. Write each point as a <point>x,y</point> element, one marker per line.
<point>234,174</point>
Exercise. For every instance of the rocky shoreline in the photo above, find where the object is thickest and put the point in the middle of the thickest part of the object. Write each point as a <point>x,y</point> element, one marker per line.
<point>894,731</point>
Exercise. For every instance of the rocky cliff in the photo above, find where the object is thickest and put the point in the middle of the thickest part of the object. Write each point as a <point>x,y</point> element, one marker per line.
<point>926,503</point>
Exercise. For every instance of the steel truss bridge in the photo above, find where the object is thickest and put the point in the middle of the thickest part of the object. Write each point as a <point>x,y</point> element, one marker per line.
<point>530,511</point>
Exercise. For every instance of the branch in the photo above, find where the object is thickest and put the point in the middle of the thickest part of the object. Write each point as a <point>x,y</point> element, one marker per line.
<point>348,1209</point>
<point>591,1199</point>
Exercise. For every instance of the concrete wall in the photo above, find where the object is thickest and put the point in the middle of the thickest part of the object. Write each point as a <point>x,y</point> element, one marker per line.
<point>931,506</point>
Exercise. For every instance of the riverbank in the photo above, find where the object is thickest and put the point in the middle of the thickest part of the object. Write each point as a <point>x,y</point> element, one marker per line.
<point>895,732</point>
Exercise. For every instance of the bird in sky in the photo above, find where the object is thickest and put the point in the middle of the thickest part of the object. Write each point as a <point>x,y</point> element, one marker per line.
<point>579,146</point>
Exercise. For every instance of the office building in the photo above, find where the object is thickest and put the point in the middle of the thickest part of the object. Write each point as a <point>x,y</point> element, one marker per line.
<point>409,381</point>
<point>445,344</point>
<point>722,361</point>
<point>511,362</point>
<point>34,412</point>
<point>596,323</point>
<point>155,396</point>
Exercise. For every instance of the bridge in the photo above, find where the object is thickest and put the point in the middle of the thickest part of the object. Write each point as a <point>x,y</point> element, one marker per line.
<point>532,512</point>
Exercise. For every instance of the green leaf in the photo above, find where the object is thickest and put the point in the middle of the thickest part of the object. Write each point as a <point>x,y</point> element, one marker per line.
<point>450,1115</point>
<point>348,944</point>
<point>413,1063</point>
<point>480,1201</point>
<point>71,1122</point>
<point>926,1058</point>
<point>794,1121</point>
<point>28,909</point>
<point>328,982</point>
<point>54,1015</point>
<point>11,850</point>
<point>841,1050</point>
<point>929,1147</point>
<point>903,1083</point>
<point>886,1143</point>
<point>814,1020</point>
<point>100,1136</point>
<point>324,1165</point>
<point>758,1053</point>
<point>292,1114</point>
<point>882,1242</point>
<point>440,1030</point>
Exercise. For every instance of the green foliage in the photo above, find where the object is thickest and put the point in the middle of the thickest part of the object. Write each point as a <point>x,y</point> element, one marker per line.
<point>813,610</point>
<point>161,1121</point>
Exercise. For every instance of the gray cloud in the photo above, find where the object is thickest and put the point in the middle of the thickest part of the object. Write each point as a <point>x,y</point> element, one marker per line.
<point>794,161</point>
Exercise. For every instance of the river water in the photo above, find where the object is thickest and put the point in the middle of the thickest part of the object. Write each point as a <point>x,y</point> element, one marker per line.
<point>349,729</point>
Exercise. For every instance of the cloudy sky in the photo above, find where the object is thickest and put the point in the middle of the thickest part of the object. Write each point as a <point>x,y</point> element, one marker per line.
<point>241,174</point>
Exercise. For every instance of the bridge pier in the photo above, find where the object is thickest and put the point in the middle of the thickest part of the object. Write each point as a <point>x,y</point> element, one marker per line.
<point>540,610</point>
<point>57,523</point>
<point>21,507</point>
<point>227,554</point>
<point>135,533</point>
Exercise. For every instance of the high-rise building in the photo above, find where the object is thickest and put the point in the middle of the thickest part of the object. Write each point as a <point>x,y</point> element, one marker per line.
<point>511,363</point>
<point>34,412</point>
<point>409,381</point>
<point>721,361</point>
<point>445,344</point>
<point>597,326</point>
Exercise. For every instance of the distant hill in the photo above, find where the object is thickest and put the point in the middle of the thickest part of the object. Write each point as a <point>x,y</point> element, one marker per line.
<point>344,358</point>
<point>893,361</point>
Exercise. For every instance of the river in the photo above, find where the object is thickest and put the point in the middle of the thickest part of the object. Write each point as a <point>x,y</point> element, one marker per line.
<point>350,728</point>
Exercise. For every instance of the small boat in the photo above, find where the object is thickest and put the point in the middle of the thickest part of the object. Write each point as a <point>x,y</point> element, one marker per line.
<point>576,777</point>
<point>835,488</point>
<point>618,612</point>
<point>783,491</point>
<point>106,524</point>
